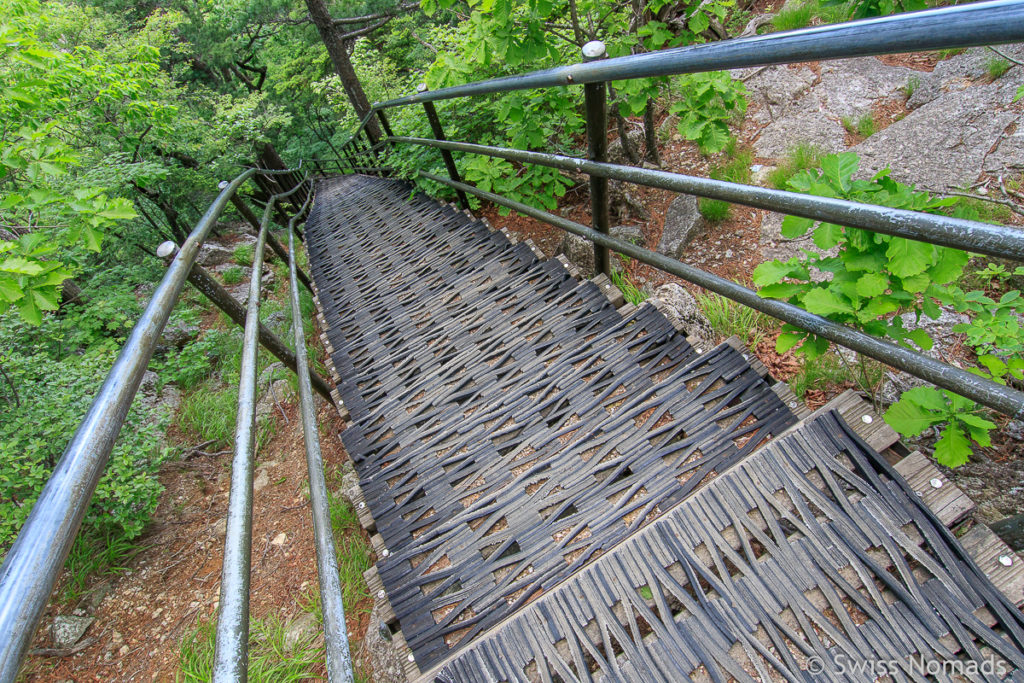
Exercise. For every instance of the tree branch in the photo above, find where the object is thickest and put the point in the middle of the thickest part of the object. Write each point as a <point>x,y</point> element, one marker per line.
<point>1006,56</point>
<point>352,35</point>
<point>344,21</point>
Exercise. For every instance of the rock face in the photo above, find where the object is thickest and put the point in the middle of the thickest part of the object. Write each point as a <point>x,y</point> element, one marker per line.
<point>959,128</point>
<point>680,305</point>
<point>683,222</point>
<point>617,155</point>
<point>580,252</point>
<point>798,106</point>
<point>384,655</point>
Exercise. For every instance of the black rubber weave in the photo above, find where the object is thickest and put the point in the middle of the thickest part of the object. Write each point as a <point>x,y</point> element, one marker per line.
<point>508,425</point>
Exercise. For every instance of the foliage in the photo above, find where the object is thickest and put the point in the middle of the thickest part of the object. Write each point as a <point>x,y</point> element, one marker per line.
<point>710,101</point>
<point>54,394</point>
<point>243,254</point>
<point>875,278</point>
<point>355,555</point>
<point>209,415</point>
<point>232,275</point>
<point>797,16</point>
<point>860,9</point>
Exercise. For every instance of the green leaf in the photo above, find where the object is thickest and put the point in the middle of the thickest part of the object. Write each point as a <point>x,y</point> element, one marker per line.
<point>929,398</point>
<point>698,22</point>
<point>908,418</point>
<point>828,235</point>
<point>9,290</point>
<point>715,138</point>
<point>950,265</point>
<point>908,257</point>
<point>21,266</point>
<point>781,290</point>
<point>872,284</point>
<point>838,168</point>
<point>45,298</point>
<point>29,312</point>
<point>788,340</point>
<point>975,421</point>
<point>921,338</point>
<point>953,448</point>
<point>825,302</point>
<point>796,226</point>
<point>770,272</point>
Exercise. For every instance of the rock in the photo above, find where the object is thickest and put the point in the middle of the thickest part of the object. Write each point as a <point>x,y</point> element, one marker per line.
<point>220,528</point>
<point>280,539</point>
<point>623,205</point>
<point>67,630</point>
<point>681,305</point>
<point>580,252</point>
<point>178,333</point>
<point>385,656</point>
<point>349,483</point>
<point>302,629</point>
<point>277,321</point>
<point>212,254</point>
<point>628,233</point>
<point>682,223</point>
<point>261,481</point>
<point>815,127</point>
<point>776,88</point>
<point>617,155</point>
<point>280,391</point>
<point>942,144</point>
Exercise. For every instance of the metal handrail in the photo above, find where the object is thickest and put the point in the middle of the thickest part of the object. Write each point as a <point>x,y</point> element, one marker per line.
<point>982,23</point>
<point>231,644</point>
<point>339,659</point>
<point>33,563</point>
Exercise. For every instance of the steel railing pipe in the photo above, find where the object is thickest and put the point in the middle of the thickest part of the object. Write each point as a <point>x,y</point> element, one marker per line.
<point>999,397</point>
<point>595,97</point>
<point>973,236</point>
<point>438,131</point>
<point>231,644</point>
<point>33,563</point>
<point>982,23</point>
<point>339,659</point>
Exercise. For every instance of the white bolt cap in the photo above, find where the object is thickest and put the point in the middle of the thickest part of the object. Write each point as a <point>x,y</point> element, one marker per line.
<point>1005,560</point>
<point>936,483</point>
<point>594,49</point>
<point>867,419</point>
<point>381,594</point>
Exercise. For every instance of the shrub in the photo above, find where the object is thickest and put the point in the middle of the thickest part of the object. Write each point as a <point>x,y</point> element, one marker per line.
<point>243,254</point>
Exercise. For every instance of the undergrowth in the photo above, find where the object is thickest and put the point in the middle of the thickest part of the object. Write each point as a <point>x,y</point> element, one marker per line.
<point>728,318</point>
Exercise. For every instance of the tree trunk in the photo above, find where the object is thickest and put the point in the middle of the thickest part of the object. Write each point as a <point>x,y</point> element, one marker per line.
<point>650,134</point>
<point>331,35</point>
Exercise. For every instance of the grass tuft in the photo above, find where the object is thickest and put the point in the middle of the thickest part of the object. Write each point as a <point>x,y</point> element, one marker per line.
<point>232,275</point>
<point>210,415</point>
<point>801,157</point>
<point>792,18</point>
<point>996,67</point>
<point>630,291</point>
<point>864,126</point>
<point>729,318</point>
<point>243,254</point>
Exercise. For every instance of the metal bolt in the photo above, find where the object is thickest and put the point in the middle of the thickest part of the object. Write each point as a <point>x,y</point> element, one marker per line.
<point>362,505</point>
<point>936,483</point>
<point>792,404</point>
<point>919,494</point>
<point>867,419</point>
<point>569,78</point>
<point>411,658</point>
<point>1005,560</point>
<point>385,552</point>
<point>380,594</point>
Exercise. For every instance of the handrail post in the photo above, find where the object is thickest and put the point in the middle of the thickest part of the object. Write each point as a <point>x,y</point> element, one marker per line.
<point>449,162</point>
<point>247,213</point>
<point>384,122</point>
<point>597,149</point>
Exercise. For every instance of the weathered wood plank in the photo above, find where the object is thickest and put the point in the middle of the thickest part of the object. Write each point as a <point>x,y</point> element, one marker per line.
<point>943,497</point>
<point>1003,567</point>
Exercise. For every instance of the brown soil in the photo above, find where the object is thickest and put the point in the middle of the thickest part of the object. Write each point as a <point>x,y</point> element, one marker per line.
<point>143,614</point>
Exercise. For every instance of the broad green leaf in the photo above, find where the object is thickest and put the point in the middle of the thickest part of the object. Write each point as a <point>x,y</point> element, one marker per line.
<point>9,290</point>
<point>29,312</point>
<point>45,298</point>
<point>953,448</point>
<point>715,137</point>
<point>976,421</point>
<point>698,22</point>
<point>788,340</point>
<point>770,272</point>
<point>781,290</point>
<point>916,283</point>
<point>796,226</point>
<point>838,168</point>
<point>872,284</point>
<point>21,266</point>
<point>949,267</point>
<point>926,397</point>
<point>921,338</point>
<point>908,257</point>
<point>825,302</point>
<point>827,235</point>
<point>908,418</point>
